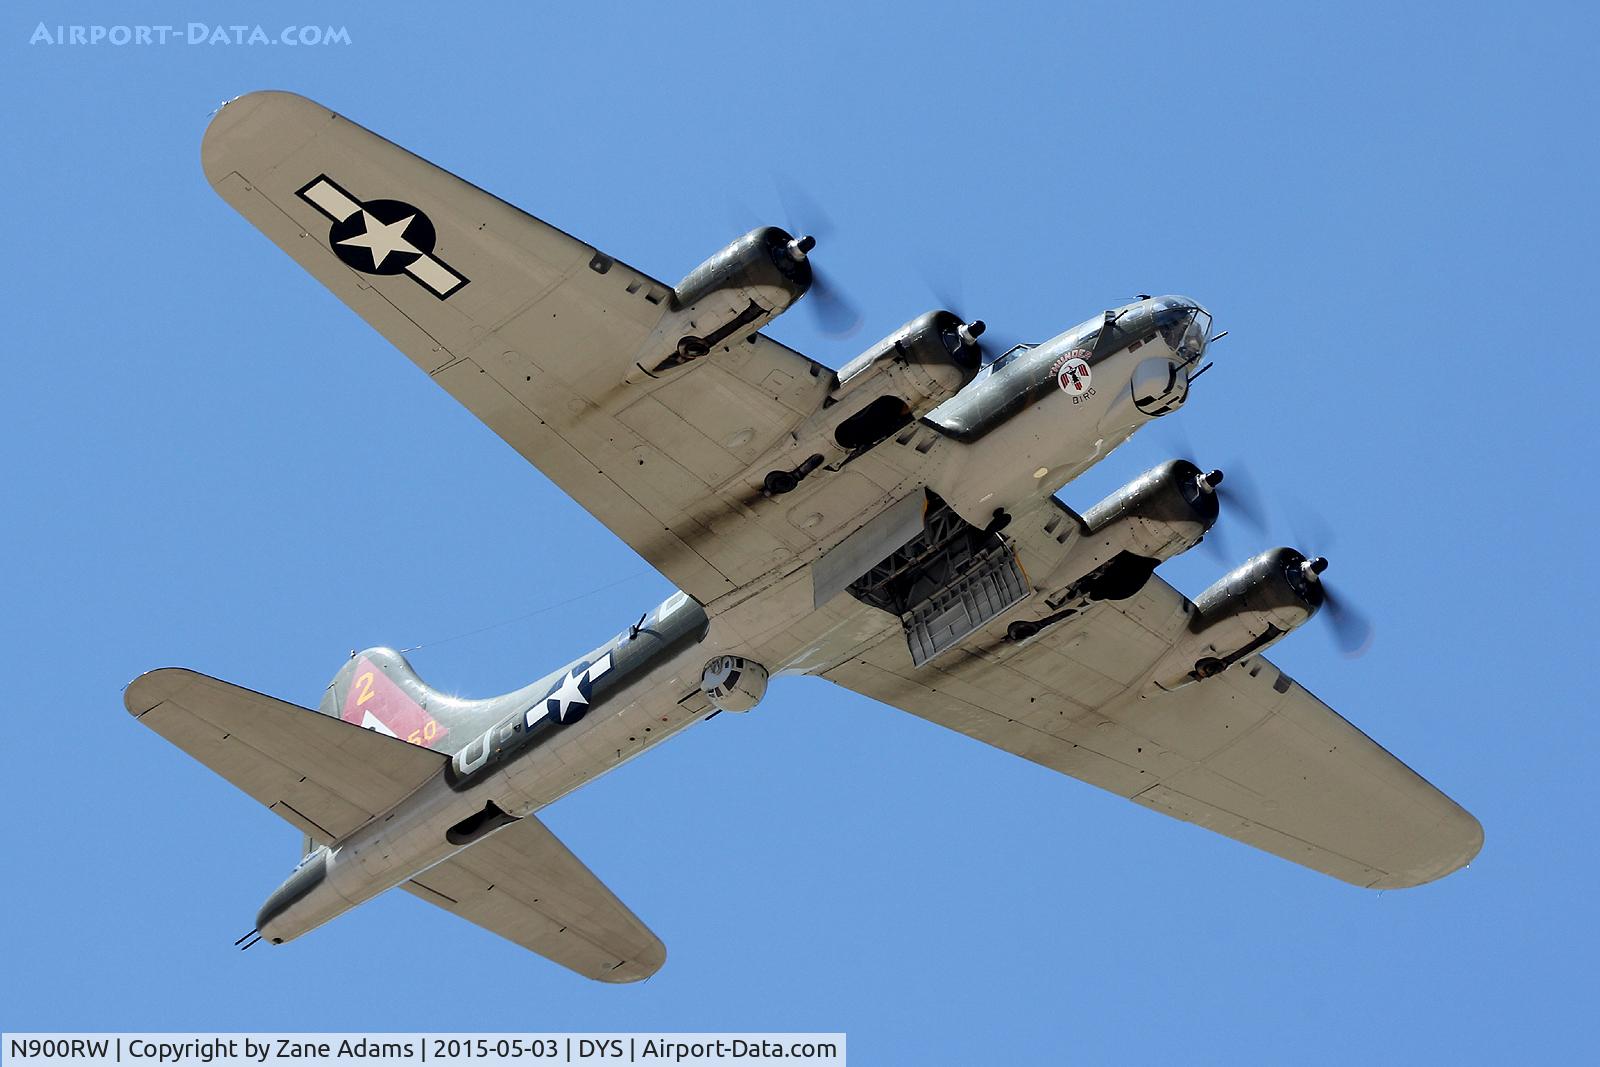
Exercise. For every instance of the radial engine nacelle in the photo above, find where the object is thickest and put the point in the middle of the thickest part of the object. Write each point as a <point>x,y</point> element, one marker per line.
<point>737,291</point>
<point>923,363</point>
<point>1164,511</point>
<point>886,388</point>
<point>1247,610</point>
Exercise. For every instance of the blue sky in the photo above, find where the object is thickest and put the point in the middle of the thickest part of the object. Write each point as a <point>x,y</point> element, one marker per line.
<point>1391,210</point>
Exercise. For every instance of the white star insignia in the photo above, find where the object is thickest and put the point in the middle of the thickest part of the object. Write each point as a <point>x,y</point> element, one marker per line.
<point>382,239</point>
<point>570,692</point>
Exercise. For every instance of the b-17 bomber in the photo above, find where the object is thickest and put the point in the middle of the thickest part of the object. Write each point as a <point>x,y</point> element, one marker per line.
<point>891,526</point>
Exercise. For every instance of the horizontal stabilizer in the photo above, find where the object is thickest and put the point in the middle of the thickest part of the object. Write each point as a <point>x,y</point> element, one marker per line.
<point>328,777</point>
<point>522,883</point>
<point>325,776</point>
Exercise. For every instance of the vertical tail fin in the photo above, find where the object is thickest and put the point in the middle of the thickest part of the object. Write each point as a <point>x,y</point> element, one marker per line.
<point>378,690</point>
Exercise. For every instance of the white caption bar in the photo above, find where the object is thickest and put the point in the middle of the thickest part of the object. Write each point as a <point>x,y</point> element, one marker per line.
<point>408,1050</point>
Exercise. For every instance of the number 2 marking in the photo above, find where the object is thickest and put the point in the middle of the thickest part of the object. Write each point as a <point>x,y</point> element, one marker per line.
<point>364,683</point>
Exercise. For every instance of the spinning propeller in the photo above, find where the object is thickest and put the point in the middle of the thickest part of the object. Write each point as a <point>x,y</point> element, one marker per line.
<point>1238,496</point>
<point>1351,629</point>
<point>834,313</point>
<point>947,294</point>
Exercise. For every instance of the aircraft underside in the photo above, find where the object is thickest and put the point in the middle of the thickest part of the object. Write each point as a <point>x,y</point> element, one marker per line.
<point>891,526</point>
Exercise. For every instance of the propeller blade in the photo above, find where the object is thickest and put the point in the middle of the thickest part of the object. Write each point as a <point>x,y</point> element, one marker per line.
<point>948,297</point>
<point>1352,630</point>
<point>941,274</point>
<point>1309,527</point>
<point>834,313</point>
<point>802,212</point>
<point>1241,497</point>
<point>942,278</point>
<point>1168,435</point>
<point>1219,546</point>
<point>741,217</point>
<point>997,343</point>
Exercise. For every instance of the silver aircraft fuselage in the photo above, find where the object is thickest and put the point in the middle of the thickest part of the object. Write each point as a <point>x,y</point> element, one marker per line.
<point>1025,426</point>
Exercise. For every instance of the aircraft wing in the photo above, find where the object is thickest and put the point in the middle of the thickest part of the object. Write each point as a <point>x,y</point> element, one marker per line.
<point>323,775</point>
<point>533,330</point>
<point>1248,753</point>
<point>522,883</point>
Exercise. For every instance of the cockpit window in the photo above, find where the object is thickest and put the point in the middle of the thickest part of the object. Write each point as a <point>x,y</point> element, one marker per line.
<point>1173,328</point>
<point>1183,326</point>
<point>1008,356</point>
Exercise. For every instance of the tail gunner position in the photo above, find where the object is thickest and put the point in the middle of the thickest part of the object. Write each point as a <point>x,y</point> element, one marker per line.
<point>891,526</point>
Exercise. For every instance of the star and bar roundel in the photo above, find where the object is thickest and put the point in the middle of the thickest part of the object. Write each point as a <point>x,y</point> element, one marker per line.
<point>382,237</point>
<point>568,700</point>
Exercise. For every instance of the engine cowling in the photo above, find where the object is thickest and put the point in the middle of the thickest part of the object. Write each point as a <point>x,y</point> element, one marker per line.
<point>766,265</point>
<point>1244,612</point>
<point>924,363</point>
<point>737,291</point>
<point>878,393</point>
<point>1164,511</point>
